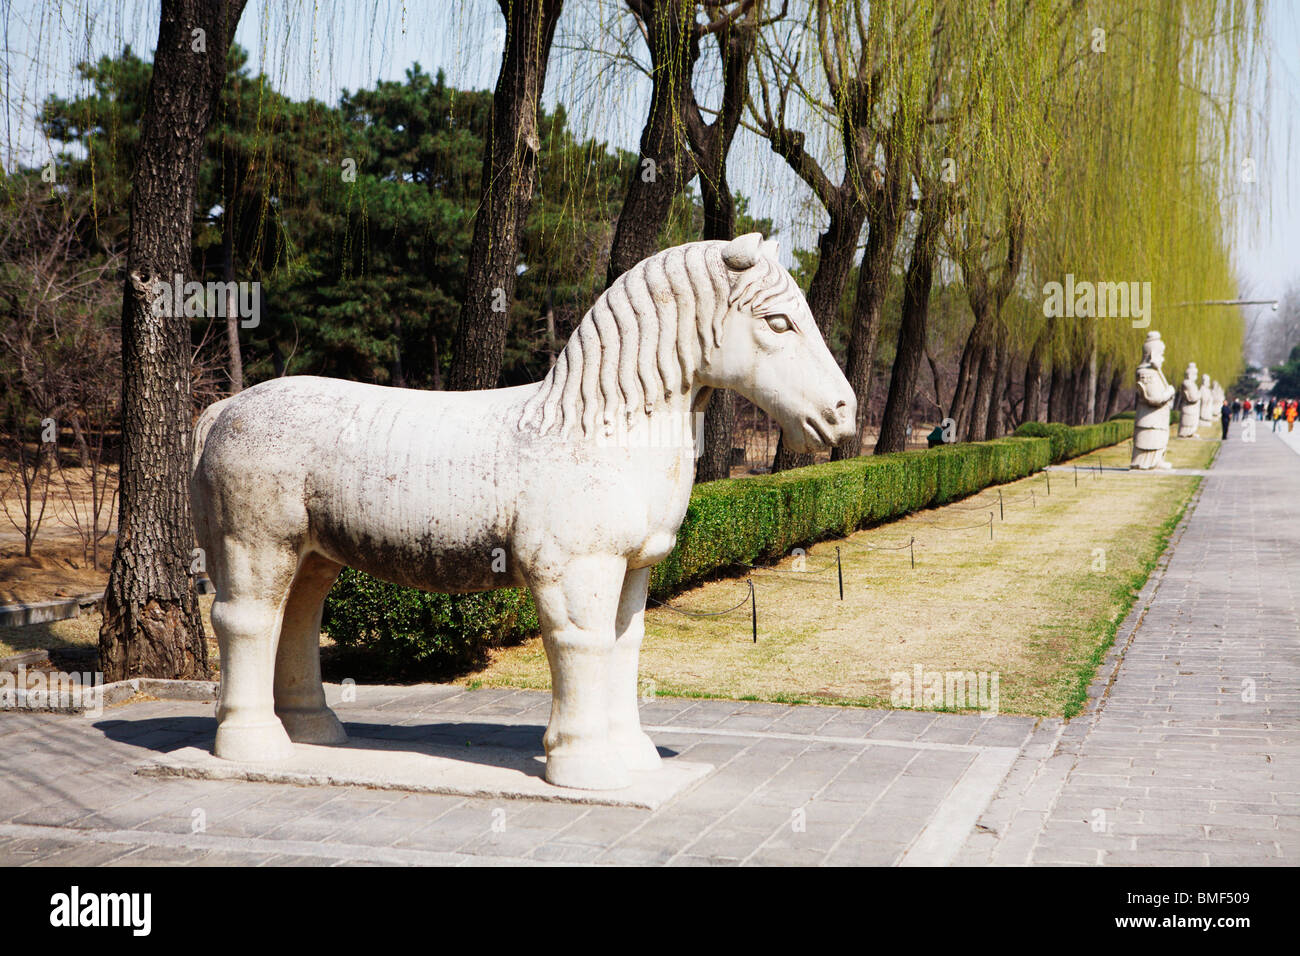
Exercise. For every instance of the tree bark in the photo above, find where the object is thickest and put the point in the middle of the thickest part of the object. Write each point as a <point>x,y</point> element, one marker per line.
<point>234,357</point>
<point>984,374</point>
<point>510,155</point>
<point>996,422</point>
<point>1088,413</point>
<point>1033,410</point>
<point>1058,407</point>
<point>151,616</point>
<point>911,336</point>
<point>1112,396</point>
<point>884,219</point>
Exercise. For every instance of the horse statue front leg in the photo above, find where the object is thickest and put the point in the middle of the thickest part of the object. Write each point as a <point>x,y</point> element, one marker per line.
<point>625,733</point>
<point>577,604</point>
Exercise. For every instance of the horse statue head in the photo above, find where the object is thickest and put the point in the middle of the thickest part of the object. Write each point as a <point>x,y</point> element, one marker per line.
<point>692,318</point>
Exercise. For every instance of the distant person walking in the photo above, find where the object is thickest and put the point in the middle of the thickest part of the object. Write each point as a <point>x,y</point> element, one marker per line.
<point>1291,411</point>
<point>1275,413</point>
<point>1225,416</point>
<point>1236,409</point>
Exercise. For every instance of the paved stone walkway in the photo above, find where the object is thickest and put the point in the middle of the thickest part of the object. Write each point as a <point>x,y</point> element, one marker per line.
<point>1192,754</point>
<point>793,785</point>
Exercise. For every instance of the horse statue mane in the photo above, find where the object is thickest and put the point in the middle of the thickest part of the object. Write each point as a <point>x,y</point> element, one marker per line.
<point>650,332</point>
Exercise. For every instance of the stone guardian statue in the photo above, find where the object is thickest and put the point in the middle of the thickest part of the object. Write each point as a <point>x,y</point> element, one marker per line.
<point>1209,411</point>
<point>1189,404</point>
<point>1155,398</point>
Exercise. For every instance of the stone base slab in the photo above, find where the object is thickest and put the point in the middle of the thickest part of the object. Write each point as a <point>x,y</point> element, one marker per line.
<point>488,772</point>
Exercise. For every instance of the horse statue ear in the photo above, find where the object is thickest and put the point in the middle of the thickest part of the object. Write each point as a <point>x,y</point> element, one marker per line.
<point>770,250</point>
<point>741,253</point>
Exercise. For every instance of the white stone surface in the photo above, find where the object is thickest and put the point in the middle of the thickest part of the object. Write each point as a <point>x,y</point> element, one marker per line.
<point>1155,397</point>
<point>1209,410</point>
<point>416,768</point>
<point>1189,404</point>
<point>574,487</point>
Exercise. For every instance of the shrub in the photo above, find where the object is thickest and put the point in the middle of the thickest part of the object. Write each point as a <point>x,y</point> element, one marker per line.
<point>1070,441</point>
<point>408,632</point>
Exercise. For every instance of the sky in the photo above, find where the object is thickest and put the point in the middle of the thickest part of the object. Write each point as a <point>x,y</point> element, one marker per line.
<point>319,49</point>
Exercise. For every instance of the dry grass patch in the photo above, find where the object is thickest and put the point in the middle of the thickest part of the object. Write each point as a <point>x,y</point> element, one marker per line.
<point>1195,453</point>
<point>1033,605</point>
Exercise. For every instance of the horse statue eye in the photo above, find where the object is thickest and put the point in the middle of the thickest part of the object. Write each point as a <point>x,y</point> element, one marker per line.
<point>779,323</point>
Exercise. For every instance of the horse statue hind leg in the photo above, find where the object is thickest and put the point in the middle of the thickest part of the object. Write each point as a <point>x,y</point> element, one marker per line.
<point>266,615</point>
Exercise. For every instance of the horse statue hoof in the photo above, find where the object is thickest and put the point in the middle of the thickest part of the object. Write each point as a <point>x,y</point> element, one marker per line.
<point>264,742</point>
<point>587,772</point>
<point>638,751</point>
<point>313,726</point>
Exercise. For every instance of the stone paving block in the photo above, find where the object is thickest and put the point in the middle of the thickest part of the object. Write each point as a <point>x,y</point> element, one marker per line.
<point>863,852</point>
<point>727,842</point>
<point>785,856</point>
<point>566,852</point>
<point>86,854</point>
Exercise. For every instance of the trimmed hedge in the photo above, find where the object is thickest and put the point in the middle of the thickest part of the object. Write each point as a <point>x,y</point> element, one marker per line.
<point>1071,441</point>
<point>728,524</point>
<point>405,631</point>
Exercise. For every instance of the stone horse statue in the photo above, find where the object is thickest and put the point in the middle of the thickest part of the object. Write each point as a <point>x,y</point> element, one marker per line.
<point>561,486</point>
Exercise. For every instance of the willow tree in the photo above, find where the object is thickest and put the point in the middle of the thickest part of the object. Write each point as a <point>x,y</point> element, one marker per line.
<point>510,155</point>
<point>1001,153</point>
<point>151,615</point>
<point>1147,192</point>
<point>842,129</point>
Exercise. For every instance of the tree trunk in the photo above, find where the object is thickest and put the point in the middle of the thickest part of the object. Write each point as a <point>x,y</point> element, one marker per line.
<point>1112,396</point>
<point>983,392</point>
<point>885,219</point>
<point>836,248</point>
<point>1089,410</point>
<point>509,177</point>
<point>1033,410</point>
<point>152,626</point>
<point>720,414</point>
<point>711,143</point>
<point>1058,408</point>
<point>234,358</point>
<point>911,338</point>
<point>665,165</point>
<point>719,424</point>
<point>959,411</point>
<point>996,426</point>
